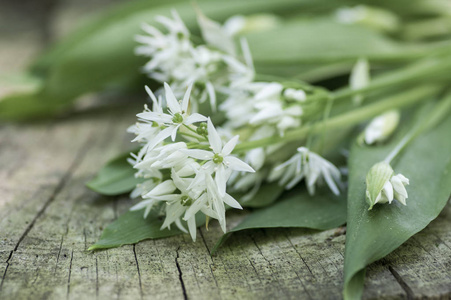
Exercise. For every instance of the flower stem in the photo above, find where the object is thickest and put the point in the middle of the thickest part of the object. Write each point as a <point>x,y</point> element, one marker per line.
<point>347,119</point>
<point>426,69</point>
<point>434,117</point>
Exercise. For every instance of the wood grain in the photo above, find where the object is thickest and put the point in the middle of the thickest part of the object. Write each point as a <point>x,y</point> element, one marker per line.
<point>48,219</point>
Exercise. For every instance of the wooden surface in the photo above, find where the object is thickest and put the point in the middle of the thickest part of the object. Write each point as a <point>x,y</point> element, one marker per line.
<point>48,219</point>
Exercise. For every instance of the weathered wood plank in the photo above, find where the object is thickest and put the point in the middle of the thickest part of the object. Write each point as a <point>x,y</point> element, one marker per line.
<point>48,219</point>
<point>53,210</point>
<point>51,259</point>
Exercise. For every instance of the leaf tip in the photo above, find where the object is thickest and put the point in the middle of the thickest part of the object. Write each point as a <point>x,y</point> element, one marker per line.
<point>93,247</point>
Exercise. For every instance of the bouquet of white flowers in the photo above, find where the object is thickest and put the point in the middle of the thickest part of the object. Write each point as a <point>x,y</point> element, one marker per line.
<point>240,112</point>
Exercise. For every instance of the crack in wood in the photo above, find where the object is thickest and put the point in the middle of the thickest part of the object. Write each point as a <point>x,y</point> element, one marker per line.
<point>139,273</point>
<point>267,260</point>
<point>205,242</point>
<point>70,272</point>
<point>300,256</point>
<point>97,278</point>
<point>61,184</point>
<point>402,283</point>
<point>6,269</point>
<point>185,296</point>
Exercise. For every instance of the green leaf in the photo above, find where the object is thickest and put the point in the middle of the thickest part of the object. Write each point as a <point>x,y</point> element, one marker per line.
<point>24,106</point>
<point>115,178</point>
<point>371,235</point>
<point>101,55</point>
<point>299,209</point>
<point>322,40</point>
<point>267,194</point>
<point>131,228</point>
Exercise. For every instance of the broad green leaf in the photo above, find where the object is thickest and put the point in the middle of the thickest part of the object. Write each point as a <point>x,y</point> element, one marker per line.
<point>126,14</point>
<point>321,211</point>
<point>322,40</point>
<point>267,194</point>
<point>371,235</point>
<point>132,227</point>
<point>101,55</point>
<point>24,106</point>
<point>115,178</point>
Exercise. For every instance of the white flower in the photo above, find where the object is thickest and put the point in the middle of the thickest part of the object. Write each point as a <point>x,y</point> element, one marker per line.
<point>308,165</point>
<point>143,170</point>
<point>217,200</point>
<point>163,188</point>
<point>177,115</point>
<point>215,34</point>
<point>219,160</point>
<point>143,188</point>
<point>383,186</point>
<point>176,60</point>
<point>164,157</point>
<point>179,204</point>
<point>381,127</point>
<point>266,107</point>
<point>168,51</point>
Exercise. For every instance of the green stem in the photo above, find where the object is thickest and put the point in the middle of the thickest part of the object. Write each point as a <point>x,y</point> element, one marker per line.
<point>347,119</point>
<point>195,135</point>
<point>429,68</point>
<point>190,135</point>
<point>434,117</point>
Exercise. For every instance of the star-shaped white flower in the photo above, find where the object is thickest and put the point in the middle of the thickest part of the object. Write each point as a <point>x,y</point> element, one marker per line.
<point>177,115</point>
<point>308,165</point>
<point>219,159</point>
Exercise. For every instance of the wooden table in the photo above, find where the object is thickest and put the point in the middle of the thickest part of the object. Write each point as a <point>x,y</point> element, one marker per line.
<point>48,219</point>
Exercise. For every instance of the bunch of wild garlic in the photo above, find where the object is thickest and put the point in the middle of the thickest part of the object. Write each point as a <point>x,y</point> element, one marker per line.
<point>191,165</point>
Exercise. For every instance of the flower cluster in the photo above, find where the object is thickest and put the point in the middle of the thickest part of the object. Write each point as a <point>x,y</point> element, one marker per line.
<point>177,60</point>
<point>259,109</point>
<point>187,162</point>
<point>188,175</point>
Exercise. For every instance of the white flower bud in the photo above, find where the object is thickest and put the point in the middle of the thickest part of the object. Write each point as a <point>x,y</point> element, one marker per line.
<point>381,127</point>
<point>360,78</point>
<point>244,24</point>
<point>297,95</point>
<point>382,186</point>
<point>375,18</point>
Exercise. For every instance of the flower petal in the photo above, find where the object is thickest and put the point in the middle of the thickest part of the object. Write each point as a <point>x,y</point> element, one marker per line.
<point>171,101</point>
<point>180,226</point>
<point>198,154</point>
<point>211,95</point>
<point>161,136</point>
<point>174,131</point>
<point>221,179</point>
<point>237,164</point>
<point>155,117</point>
<point>166,187</point>
<point>388,190</point>
<point>192,228</point>
<point>230,201</point>
<point>185,101</point>
<point>398,186</point>
<point>330,182</point>
<point>194,118</point>
<point>213,137</point>
<point>228,148</point>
